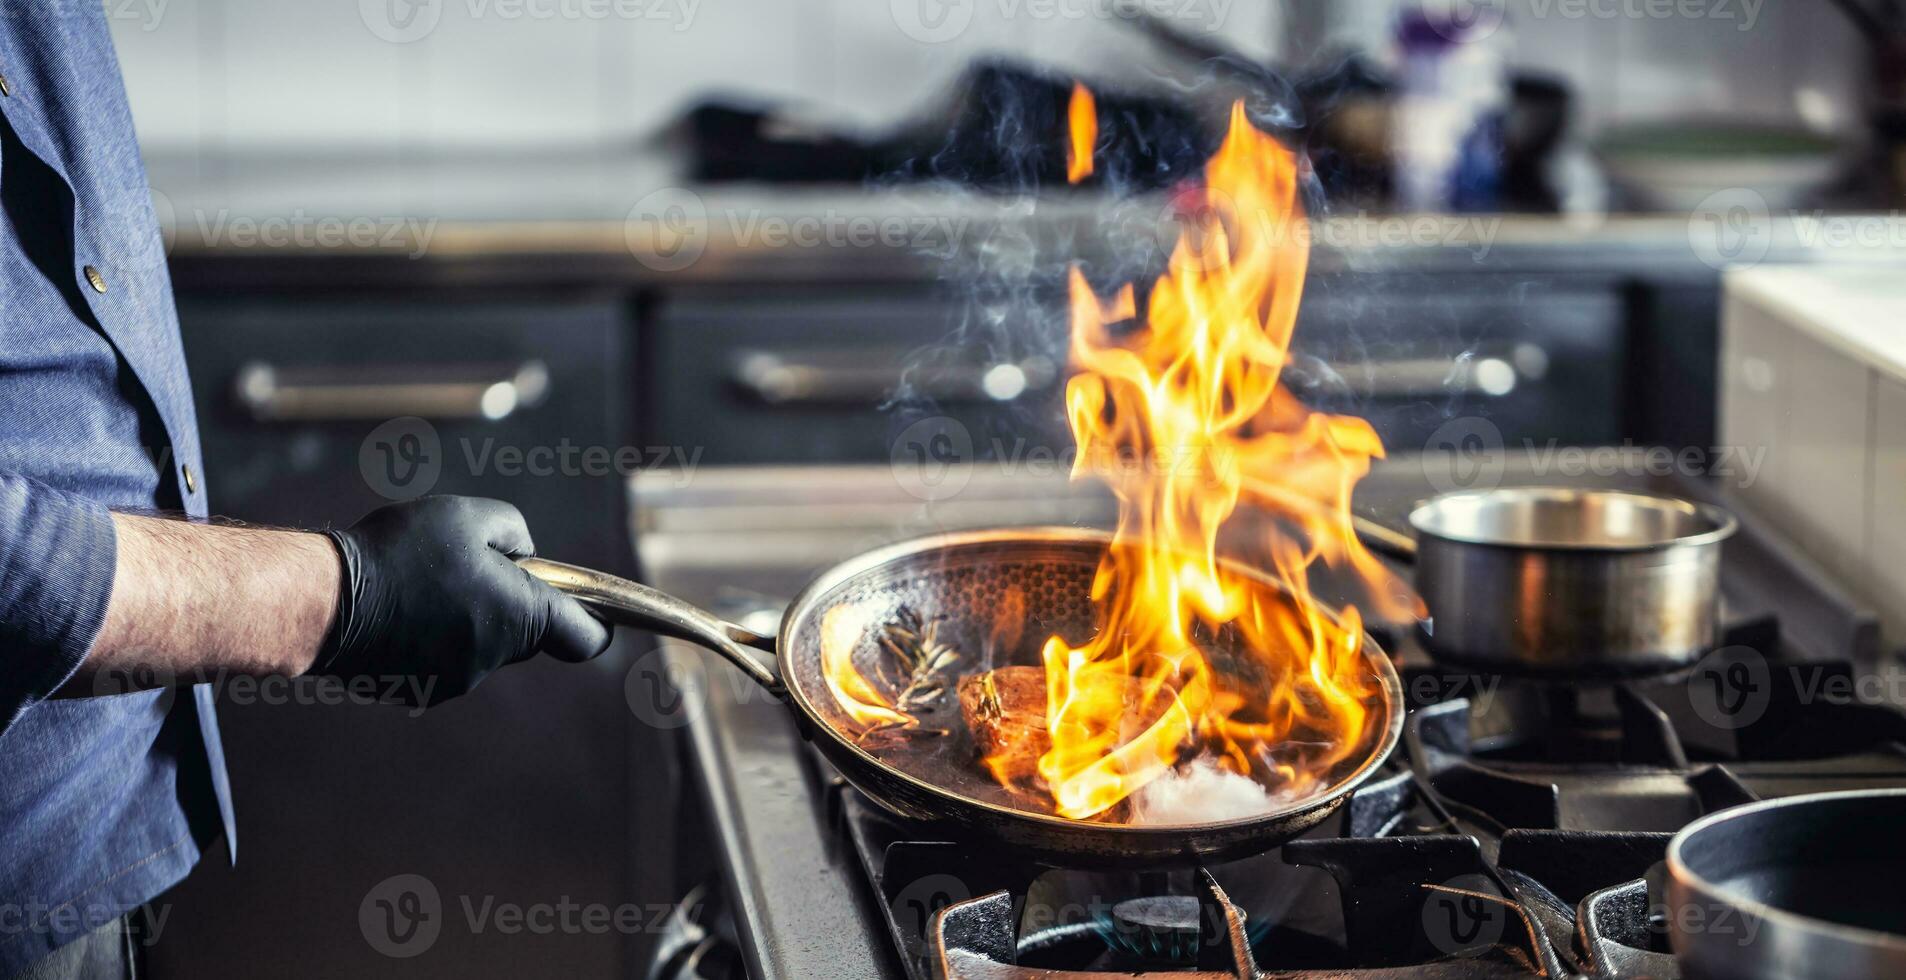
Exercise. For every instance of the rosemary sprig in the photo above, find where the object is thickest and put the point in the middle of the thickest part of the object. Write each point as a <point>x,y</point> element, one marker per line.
<point>914,643</point>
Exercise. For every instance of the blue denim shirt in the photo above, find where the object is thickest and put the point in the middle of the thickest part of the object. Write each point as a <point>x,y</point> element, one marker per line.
<point>105,801</point>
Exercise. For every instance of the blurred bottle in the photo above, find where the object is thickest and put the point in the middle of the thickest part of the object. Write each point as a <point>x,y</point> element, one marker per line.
<point>1448,116</point>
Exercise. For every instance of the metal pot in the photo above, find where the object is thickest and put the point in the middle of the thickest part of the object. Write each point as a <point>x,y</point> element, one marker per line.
<point>1553,580</point>
<point>1792,889</point>
<point>960,580</point>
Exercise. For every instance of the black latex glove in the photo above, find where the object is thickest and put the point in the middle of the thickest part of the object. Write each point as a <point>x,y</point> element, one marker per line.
<point>431,591</point>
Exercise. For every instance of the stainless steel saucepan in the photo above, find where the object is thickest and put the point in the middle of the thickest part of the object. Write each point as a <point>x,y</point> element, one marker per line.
<point>962,582</point>
<point>1554,580</point>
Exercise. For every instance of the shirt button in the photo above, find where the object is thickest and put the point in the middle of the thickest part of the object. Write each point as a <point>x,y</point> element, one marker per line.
<point>5,89</point>
<point>98,281</point>
<point>191,482</point>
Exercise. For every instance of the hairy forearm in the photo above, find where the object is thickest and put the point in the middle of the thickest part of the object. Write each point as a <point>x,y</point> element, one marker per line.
<point>200,599</point>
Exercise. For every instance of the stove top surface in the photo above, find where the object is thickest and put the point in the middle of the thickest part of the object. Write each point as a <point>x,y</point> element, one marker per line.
<point>1518,831</point>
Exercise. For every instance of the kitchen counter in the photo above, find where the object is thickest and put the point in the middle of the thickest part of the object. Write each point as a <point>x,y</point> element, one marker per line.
<point>1854,311</point>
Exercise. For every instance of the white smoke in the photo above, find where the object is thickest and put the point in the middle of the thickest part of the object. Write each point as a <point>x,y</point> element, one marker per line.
<point>1200,792</point>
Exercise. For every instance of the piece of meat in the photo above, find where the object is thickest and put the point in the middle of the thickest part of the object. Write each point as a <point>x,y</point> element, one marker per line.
<point>1005,709</point>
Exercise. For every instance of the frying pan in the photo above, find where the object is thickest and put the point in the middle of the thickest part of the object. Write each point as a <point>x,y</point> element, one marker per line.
<point>1564,581</point>
<point>1802,887</point>
<point>963,581</point>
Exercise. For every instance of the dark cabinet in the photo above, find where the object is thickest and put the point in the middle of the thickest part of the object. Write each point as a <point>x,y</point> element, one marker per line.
<point>825,374</point>
<point>810,374</point>
<point>313,413</point>
<point>1538,361</point>
<point>518,795</point>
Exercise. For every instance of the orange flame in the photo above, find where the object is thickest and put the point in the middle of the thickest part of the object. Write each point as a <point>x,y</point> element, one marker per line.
<point>1183,416</point>
<point>841,631</point>
<point>1083,116</point>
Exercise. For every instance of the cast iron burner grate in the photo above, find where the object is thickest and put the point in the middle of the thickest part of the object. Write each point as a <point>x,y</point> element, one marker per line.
<point>1515,836</point>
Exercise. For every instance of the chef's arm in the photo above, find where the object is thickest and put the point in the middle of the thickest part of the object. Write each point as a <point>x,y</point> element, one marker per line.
<point>92,602</point>
<point>192,599</point>
<point>427,590</point>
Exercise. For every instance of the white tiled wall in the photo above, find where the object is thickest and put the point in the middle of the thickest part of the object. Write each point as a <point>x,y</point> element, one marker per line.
<point>208,75</point>
<point>273,74</point>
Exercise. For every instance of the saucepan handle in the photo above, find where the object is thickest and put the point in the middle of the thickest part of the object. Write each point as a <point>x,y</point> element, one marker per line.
<point>619,600</point>
<point>1383,539</point>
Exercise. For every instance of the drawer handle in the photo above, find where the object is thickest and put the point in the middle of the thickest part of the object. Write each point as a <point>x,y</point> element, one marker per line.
<point>855,378</point>
<point>356,393</point>
<point>1426,378</point>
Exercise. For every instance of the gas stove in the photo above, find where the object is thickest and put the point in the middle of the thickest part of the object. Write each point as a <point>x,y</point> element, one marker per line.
<point>1518,831</point>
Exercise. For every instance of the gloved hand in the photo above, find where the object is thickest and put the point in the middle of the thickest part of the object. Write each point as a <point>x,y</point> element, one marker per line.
<point>431,591</point>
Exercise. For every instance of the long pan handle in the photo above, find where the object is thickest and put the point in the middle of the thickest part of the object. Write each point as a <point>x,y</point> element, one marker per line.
<point>1376,536</point>
<point>632,604</point>
<point>1383,539</point>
